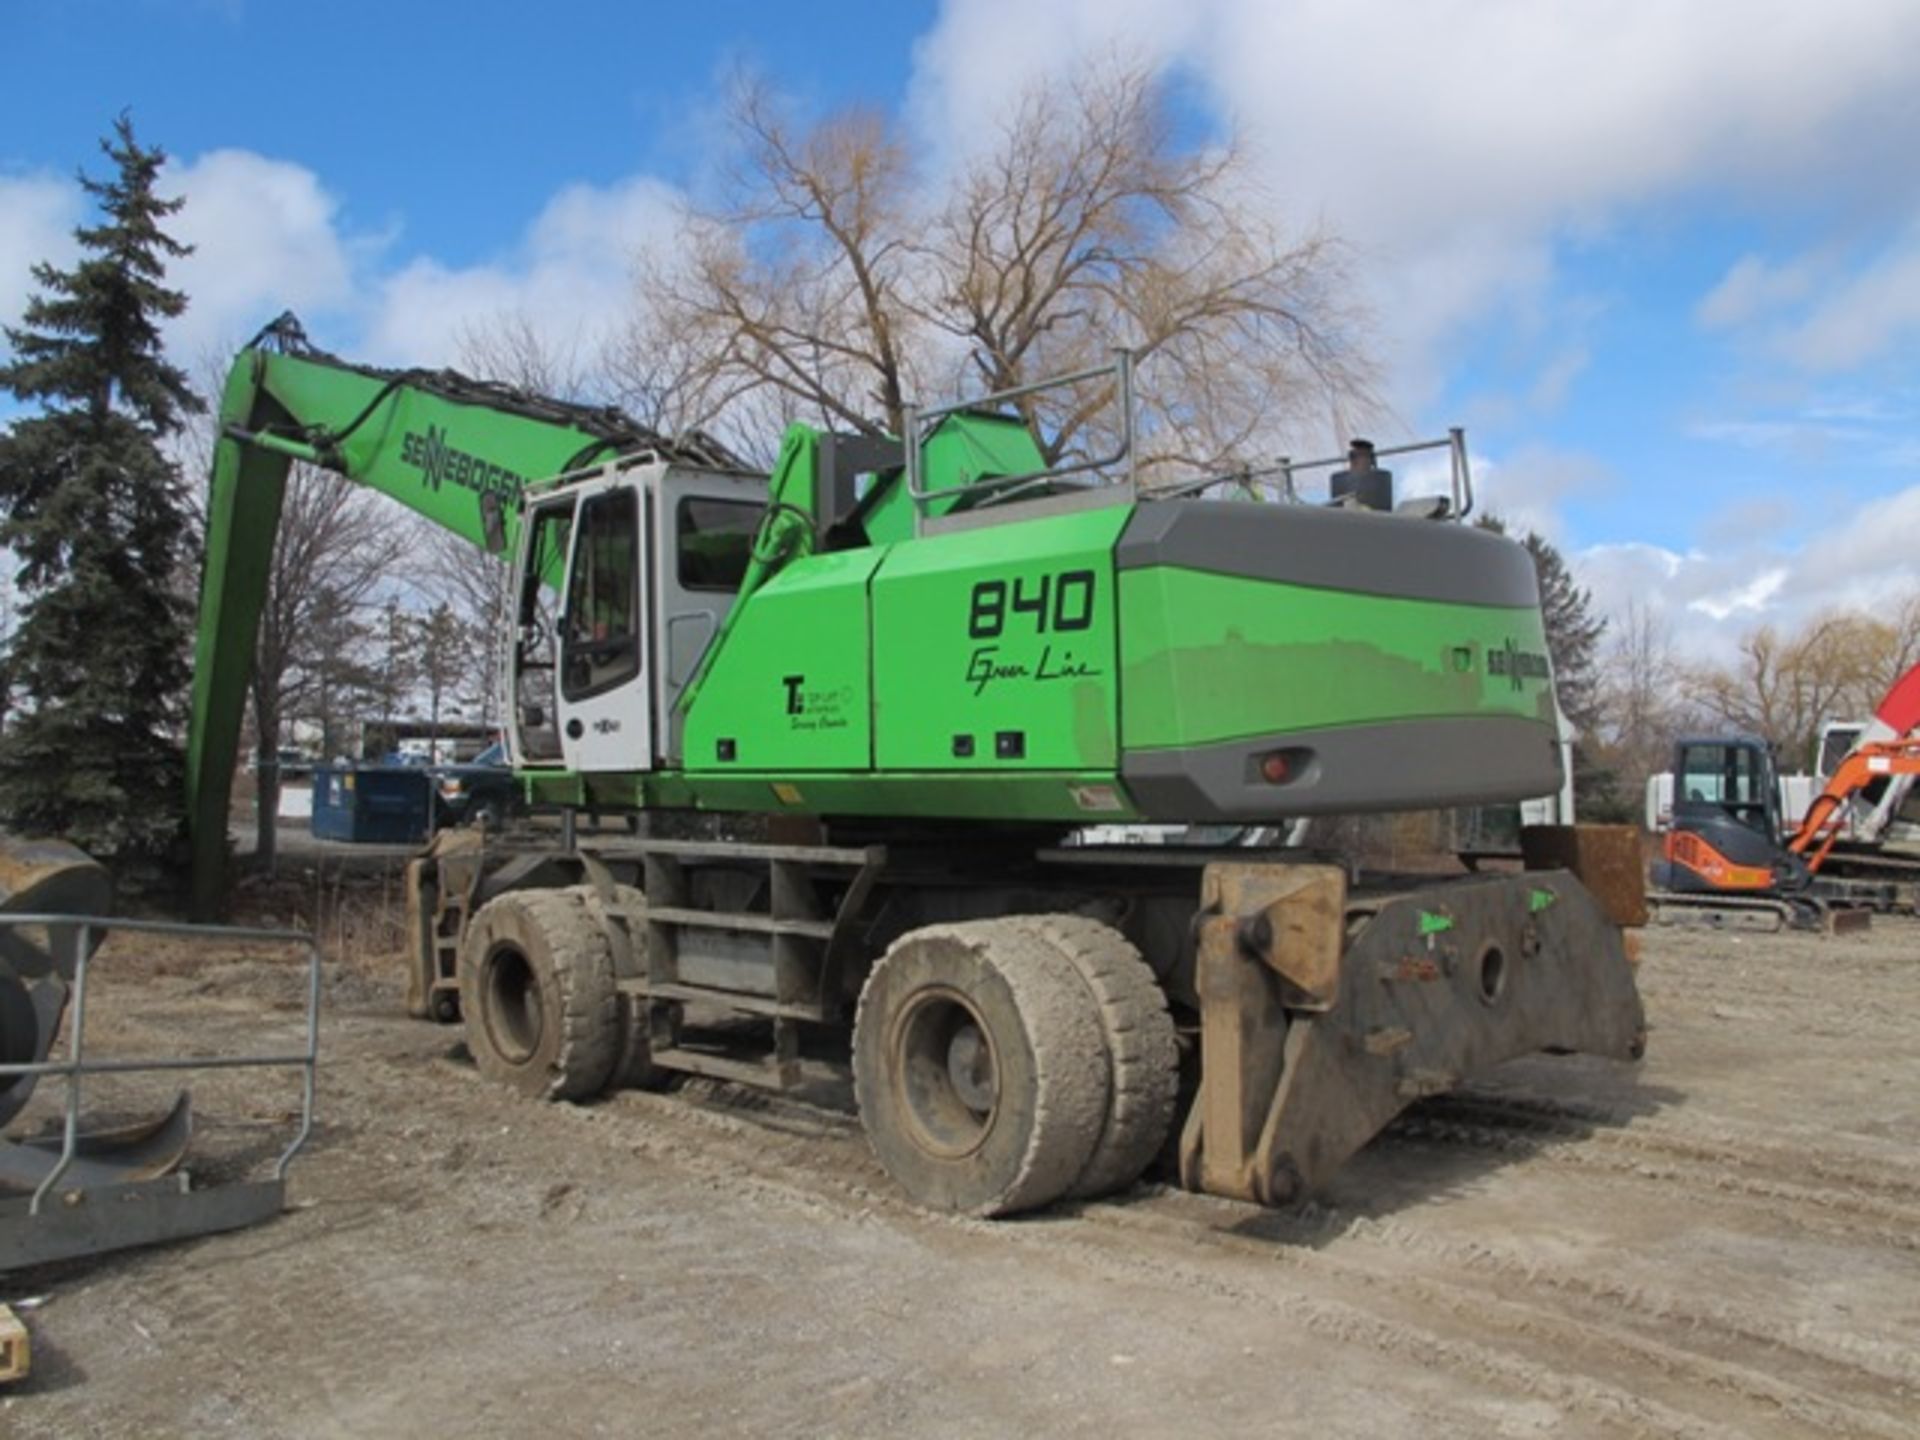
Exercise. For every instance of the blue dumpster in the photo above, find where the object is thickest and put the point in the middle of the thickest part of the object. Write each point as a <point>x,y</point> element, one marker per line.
<point>371,804</point>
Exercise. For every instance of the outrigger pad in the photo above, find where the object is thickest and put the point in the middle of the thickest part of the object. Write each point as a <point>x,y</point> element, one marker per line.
<point>1434,987</point>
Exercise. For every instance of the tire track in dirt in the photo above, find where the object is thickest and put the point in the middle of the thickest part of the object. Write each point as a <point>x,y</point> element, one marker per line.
<point>1556,1119</point>
<point>1613,1354</point>
<point>1860,1205</point>
<point>1634,1344</point>
<point>778,1151</point>
<point>1836,1364</point>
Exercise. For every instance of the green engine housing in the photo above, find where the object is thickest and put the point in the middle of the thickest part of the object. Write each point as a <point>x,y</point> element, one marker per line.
<point>1180,660</point>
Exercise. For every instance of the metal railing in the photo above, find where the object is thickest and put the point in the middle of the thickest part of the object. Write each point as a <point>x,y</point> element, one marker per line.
<point>1460,476</point>
<point>76,1065</point>
<point>918,432</point>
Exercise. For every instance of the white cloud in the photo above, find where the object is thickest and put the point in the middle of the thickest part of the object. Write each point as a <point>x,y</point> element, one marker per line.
<point>1862,560</point>
<point>1862,318</point>
<point>1811,439</point>
<point>1823,316</point>
<point>1752,597</point>
<point>267,237</point>
<point>1753,287</point>
<point>1456,145</point>
<point>570,276</point>
<point>37,216</point>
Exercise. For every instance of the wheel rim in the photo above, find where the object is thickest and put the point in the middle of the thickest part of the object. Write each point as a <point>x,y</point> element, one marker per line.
<point>946,1074</point>
<point>515,1017</point>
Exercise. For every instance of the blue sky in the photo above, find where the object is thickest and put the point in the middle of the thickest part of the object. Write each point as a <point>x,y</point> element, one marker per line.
<point>1662,260</point>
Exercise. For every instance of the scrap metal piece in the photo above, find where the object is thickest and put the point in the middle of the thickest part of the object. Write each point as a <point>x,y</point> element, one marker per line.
<point>118,1156</point>
<point>29,1019</point>
<point>48,877</point>
<point>37,962</point>
<point>92,1190</point>
<point>122,1217</point>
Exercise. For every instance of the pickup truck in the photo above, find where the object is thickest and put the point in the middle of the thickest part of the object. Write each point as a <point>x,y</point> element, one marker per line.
<point>477,791</point>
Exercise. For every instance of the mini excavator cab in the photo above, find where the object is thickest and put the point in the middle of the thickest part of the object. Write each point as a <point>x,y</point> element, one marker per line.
<point>1726,817</point>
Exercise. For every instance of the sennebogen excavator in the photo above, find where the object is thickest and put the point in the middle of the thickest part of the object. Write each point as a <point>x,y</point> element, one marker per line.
<point>917,664</point>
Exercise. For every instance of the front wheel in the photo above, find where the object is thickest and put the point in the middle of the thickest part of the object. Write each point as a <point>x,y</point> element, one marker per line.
<point>538,997</point>
<point>980,1068</point>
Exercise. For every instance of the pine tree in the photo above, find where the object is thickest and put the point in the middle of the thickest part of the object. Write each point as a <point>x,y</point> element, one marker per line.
<point>95,514</point>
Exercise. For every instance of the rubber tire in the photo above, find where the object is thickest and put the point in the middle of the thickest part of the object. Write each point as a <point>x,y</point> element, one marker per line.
<point>1050,1061</point>
<point>633,1067</point>
<point>1142,1048</point>
<point>572,967</point>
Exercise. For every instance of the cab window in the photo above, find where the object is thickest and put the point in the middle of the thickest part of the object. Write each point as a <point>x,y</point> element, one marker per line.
<point>714,542</point>
<point>602,647</point>
<point>1730,776</point>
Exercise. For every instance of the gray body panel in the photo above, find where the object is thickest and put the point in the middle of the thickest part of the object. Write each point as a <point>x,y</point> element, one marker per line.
<point>1355,550</point>
<point>1401,765</point>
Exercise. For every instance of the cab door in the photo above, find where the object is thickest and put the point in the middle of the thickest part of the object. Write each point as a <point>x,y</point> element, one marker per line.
<point>605,716</point>
<point>532,660</point>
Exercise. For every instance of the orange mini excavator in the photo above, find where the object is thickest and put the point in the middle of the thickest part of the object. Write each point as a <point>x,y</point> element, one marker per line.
<point>1728,842</point>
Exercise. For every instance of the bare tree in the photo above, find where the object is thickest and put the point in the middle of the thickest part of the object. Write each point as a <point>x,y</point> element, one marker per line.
<point>508,347</point>
<point>834,283</point>
<point>1086,228</point>
<point>442,648</point>
<point>335,546</point>
<point>1892,649</point>
<point>800,285</point>
<point>1783,687</point>
<point>473,586</point>
<point>1640,695</point>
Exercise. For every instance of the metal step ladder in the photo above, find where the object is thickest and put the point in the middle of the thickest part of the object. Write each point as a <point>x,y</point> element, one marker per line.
<point>805,947</point>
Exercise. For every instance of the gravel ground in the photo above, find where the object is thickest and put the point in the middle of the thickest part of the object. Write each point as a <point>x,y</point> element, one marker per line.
<point>1722,1241</point>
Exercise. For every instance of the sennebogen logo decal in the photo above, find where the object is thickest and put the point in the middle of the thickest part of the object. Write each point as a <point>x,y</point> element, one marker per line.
<point>1518,665</point>
<point>440,463</point>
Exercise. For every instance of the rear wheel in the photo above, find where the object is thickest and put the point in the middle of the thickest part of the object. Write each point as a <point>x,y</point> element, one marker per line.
<point>980,1068</point>
<point>537,993</point>
<point>1142,1048</point>
<point>633,1067</point>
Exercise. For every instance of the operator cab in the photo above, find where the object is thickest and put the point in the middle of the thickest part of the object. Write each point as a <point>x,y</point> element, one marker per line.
<point>1726,819</point>
<point>1727,780</point>
<point>622,579</point>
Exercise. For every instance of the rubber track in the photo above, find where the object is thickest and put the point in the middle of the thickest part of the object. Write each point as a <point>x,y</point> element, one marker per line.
<point>1141,1047</point>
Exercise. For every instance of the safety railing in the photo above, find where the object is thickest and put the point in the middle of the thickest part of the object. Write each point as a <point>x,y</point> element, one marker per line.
<point>76,1066</point>
<point>1287,469</point>
<point>919,430</point>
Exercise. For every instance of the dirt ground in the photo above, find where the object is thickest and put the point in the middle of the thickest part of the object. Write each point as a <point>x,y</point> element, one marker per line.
<point>1723,1241</point>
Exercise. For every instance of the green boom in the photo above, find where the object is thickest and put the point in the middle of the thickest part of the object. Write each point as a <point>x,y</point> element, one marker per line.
<point>434,441</point>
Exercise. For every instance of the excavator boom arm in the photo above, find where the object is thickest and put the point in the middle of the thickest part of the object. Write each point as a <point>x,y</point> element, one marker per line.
<point>456,451</point>
<point>1866,763</point>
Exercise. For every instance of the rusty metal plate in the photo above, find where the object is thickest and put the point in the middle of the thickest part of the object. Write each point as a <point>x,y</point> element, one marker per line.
<point>1607,859</point>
